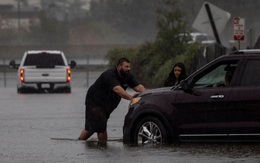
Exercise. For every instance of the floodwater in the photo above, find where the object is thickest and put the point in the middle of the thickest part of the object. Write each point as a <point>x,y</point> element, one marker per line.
<point>43,128</point>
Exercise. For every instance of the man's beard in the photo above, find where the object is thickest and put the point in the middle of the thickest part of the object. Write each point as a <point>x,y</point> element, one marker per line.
<point>124,73</point>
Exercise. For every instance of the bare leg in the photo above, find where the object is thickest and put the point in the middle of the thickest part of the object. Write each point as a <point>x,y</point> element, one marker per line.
<point>84,135</point>
<point>102,136</point>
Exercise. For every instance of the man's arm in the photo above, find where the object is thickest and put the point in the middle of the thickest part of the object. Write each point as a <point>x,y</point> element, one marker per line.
<point>122,93</point>
<point>139,88</point>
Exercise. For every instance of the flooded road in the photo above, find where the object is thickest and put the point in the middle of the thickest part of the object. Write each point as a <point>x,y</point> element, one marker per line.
<point>42,128</point>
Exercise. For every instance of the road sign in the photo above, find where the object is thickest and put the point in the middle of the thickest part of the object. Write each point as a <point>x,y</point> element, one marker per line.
<point>220,18</point>
<point>239,29</point>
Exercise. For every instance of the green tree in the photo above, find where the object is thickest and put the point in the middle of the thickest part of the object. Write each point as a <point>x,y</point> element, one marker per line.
<point>170,24</point>
<point>154,60</point>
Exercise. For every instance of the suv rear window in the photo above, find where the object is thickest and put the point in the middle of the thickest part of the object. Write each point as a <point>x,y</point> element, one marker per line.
<point>44,60</point>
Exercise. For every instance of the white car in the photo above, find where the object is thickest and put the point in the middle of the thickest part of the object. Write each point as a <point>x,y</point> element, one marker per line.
<point>43,70</point>
<point>202,38</point>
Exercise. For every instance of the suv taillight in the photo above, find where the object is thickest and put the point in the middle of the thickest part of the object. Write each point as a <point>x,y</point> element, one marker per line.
<point>22,75</point>
<point>68,75</point>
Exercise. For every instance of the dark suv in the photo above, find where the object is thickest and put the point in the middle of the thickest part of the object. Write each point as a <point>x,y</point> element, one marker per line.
<point>219,102</point>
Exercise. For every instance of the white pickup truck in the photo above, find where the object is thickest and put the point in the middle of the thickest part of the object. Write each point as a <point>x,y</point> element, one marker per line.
<point>43,70</point>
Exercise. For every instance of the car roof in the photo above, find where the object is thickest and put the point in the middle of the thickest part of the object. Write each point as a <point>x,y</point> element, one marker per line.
<point>246,51</point>
<point>43,51</point>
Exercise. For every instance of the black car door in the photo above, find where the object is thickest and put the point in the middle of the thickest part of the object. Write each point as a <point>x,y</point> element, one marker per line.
<point>244,101</point>
<point>203,112</point>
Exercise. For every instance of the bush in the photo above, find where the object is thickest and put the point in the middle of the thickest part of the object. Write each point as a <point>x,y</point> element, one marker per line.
<point>151,62</point>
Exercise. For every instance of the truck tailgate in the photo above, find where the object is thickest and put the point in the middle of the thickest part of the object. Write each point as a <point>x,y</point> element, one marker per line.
<point>57,74</point>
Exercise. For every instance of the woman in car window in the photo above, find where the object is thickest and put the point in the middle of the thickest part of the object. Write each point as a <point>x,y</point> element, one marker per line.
<point>177,74</point>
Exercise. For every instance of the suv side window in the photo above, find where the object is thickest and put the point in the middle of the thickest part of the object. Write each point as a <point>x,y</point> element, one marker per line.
<point>218,76</point>
<point>251,74</point>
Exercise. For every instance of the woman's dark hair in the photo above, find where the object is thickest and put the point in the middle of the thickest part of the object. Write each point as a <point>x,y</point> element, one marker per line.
<point>171,79</point>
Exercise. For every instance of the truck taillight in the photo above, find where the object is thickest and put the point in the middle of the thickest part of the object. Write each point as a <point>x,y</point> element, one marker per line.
<point>22,75</point>
<point>68,75</point>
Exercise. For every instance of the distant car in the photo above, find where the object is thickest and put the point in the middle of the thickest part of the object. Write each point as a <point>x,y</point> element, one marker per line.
<point>202,38</point>
<point>219,102</point>
<point>42,70</point>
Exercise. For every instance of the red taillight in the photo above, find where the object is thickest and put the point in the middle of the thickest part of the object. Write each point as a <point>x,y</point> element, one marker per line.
<point>22,75</point>
<point>21,71</point>
<point>68,75</point>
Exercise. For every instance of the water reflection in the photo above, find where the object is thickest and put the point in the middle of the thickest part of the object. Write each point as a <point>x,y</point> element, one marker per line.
<point>180,152</point>
<point>96,144</point>
<point>218,149</point>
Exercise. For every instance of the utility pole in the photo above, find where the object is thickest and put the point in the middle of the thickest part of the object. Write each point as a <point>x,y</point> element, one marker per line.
<point>18,14</point>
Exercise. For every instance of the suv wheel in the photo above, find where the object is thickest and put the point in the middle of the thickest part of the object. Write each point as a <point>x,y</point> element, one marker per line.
<point>150,130</point>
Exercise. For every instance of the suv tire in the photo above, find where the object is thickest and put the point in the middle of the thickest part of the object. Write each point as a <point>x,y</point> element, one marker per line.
<point>150,130</point>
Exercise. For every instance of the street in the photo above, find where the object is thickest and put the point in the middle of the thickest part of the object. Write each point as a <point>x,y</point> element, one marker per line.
<point>44,128</point>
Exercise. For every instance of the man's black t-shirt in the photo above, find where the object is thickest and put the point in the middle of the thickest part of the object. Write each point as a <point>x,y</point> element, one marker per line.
<point>101,92</point>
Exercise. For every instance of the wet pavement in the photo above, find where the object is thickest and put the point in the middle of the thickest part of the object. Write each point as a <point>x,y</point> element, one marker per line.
<point>42,128</point>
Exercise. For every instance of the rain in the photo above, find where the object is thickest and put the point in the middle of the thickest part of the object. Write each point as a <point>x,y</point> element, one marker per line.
<point>44,127</point>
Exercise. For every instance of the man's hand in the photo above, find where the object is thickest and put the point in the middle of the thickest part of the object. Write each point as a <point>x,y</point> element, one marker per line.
<point>136,94</point>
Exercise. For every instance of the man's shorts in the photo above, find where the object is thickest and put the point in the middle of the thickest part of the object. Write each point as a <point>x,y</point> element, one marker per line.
<point>95,119</point>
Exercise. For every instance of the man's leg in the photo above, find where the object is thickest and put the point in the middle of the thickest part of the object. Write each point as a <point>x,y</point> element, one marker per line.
<point>102,136</point>
<point>85,134</point>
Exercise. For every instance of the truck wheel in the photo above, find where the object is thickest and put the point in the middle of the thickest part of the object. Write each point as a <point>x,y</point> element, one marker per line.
<point>21,90</point>
<point>68,90</point>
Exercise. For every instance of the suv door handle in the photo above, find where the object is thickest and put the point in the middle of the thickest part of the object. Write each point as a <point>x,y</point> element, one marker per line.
<point>217,96</point>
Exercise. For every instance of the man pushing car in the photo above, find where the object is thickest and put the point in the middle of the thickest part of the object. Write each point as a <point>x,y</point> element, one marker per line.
<point>104,96</point>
